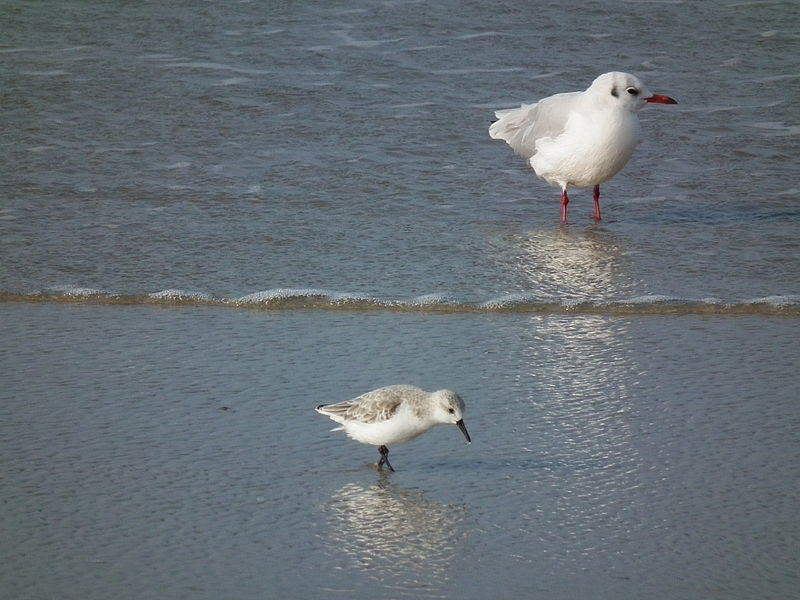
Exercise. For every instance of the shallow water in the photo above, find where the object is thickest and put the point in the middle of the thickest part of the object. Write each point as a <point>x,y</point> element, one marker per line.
<point>215,217</point>
<point>152,452</point>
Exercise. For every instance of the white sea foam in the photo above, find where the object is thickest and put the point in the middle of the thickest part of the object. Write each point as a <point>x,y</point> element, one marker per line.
<point>777,301</point>
<point>300,295</point>
<point>432,300</point>
<point>647,299</point>
<point>508,301</point>
<point>319,299</point>
<point>279,294</point>
<point>77,291</point>
<point>178,295</point>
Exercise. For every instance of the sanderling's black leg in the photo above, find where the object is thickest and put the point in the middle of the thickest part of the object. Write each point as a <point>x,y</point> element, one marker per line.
<point>384,458</point>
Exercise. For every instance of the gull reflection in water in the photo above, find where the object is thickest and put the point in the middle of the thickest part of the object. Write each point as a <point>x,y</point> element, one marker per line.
<point>572,265</point>
<point>581,362</point>
<point>585,350</point>
<point>579,373</point>
<point>394,533</point>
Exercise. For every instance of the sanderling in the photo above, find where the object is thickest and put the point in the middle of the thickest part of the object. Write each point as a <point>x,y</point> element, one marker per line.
<point>395,414</point>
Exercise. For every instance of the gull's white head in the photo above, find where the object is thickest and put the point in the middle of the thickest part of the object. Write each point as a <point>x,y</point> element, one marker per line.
<point>448,407</point>
<point>625,91</point>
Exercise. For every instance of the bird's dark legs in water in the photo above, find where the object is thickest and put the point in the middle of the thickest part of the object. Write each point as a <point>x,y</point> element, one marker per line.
<point>597,216</point>
<point>384,458</point>
<point>564,202</point>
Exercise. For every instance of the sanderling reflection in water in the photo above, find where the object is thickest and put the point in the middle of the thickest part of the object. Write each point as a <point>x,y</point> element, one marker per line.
<point>394,415</point>
<point>396,536</point>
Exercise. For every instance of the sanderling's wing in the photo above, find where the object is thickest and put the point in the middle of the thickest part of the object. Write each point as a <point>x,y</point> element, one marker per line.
<point>372,407</point>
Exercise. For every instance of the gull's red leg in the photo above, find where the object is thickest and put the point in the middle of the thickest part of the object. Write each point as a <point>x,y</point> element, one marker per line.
<point>597,216</point>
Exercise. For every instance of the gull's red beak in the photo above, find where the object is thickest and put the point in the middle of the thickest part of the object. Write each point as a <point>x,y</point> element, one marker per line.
<point>659,99</point>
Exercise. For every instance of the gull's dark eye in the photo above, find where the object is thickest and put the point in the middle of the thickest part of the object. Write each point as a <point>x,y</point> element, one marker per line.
<point>632,91</point>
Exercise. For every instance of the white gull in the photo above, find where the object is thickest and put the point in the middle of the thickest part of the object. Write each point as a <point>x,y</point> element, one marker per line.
<point>579,139</point>
<point>394,415</point>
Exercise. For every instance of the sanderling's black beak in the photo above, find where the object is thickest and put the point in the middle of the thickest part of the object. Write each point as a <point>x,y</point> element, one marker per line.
<point>463,429</point>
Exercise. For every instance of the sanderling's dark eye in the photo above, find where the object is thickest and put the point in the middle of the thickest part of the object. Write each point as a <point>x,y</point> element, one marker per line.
<point>632,91</point>
<point>451,411</point>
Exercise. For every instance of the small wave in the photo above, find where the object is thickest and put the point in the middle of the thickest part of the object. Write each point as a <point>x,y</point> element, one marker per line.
<point>433,300</point>
<point>216,67</point>
<point>519,303</point>
<point>232,81</point>
<point>777,301</point>
<point>651,299</point>
<point>53,73</point>
<point>71,291</point>
<point>285,298</point>
<point>179,296</point>
<point>316,299</point>
<point>476,70</point>
<point>472,36</point>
